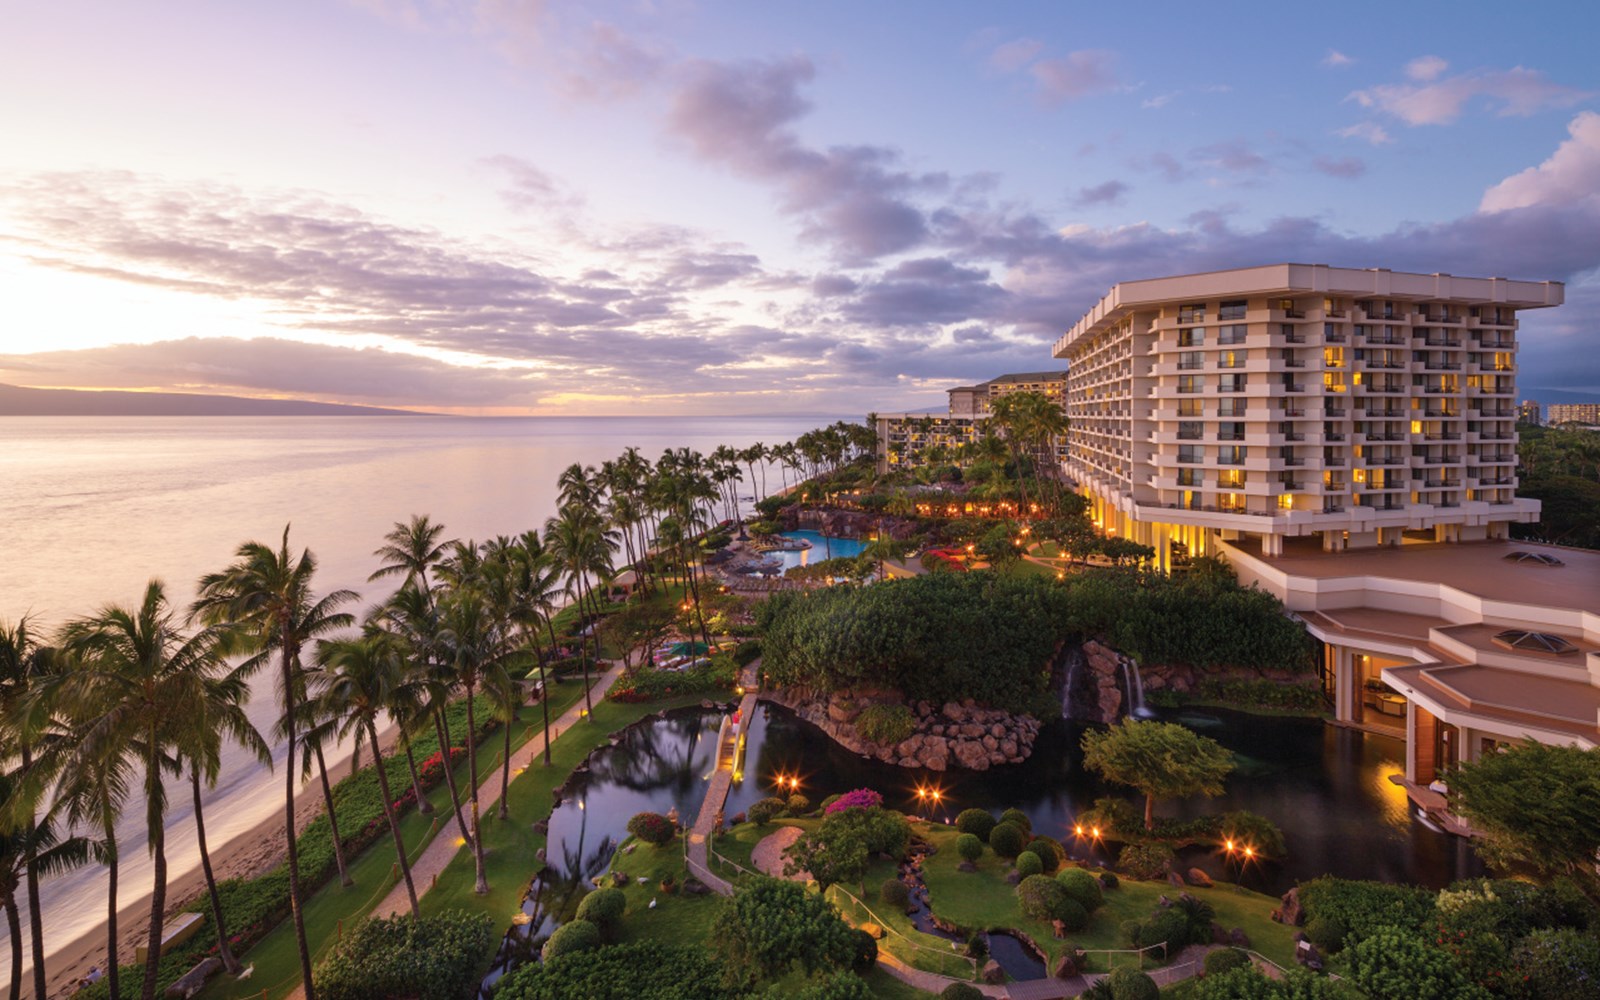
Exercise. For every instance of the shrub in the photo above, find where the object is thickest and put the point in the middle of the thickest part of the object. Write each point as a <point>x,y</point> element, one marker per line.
<point>961,991</point>
<point>762,812</point>
<point>434,958</point>
<point>1225,960</point>
<point>604,908</point>
<point>977,822</point>
<point>1028,864</point>
<point>866,955</point>
<point>860,798</point>
<point>798,805</point>
<point>1197,915</point>
<point>1164,926</point>
<point>1549,963</point>
<point>894,893</point>
<point>746,652</point>
<point>1040,897</point>
<point>1146,860</point>
<point>1389,962</point>
<point>1050,853</point>
<point>830,800</point>
<point>571,937</point>
<point>1363,907</point>
<point>771,927</point>
<point>1007,839</point>
<point>1083,887</point>
<point>652,828</point>
<point>1131,984</point>
<point>1108,879</point>
<point>886,724</point>
<point>642,970</point>
<point>1327,932</point>
<point>1246,982</point>
<point>969,847</point>
<point>1072,915</point>
<point>1018,817</point>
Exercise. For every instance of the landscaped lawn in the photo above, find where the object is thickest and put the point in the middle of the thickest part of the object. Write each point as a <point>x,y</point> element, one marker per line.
<point>984,900</point>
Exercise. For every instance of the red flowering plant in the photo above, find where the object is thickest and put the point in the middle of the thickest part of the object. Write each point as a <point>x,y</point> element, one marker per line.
<point>860,798</point>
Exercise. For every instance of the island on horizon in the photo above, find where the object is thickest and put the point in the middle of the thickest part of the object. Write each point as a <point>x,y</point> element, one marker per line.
<point>22,401</point>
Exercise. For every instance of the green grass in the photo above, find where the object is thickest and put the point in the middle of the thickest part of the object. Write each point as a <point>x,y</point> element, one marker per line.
<point>334,908</point>
<point>983,900</point>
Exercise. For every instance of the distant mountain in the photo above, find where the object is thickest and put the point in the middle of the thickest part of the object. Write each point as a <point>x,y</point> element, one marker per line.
<point>18,401</point>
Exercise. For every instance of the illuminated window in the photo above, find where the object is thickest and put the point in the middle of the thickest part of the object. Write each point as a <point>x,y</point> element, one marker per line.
<point>1359,475</point>
<point>1286,502</point>
<point>1416,427</point>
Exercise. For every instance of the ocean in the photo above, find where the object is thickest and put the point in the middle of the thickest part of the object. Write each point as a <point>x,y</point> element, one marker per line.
<point>94,507</point>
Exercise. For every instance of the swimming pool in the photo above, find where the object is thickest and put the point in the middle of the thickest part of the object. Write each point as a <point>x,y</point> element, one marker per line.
<point>822,547</point>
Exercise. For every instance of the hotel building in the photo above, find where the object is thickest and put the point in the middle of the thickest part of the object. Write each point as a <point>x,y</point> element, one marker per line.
<point>1346,440</point>
<point>1587,414</point>
<point>905,437</point>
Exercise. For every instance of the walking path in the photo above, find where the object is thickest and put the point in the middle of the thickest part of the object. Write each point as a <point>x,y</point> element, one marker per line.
<point>426,869</point>
<point>710,819</point>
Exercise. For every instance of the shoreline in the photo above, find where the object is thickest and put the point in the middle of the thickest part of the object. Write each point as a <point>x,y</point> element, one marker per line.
<point>245,855</point>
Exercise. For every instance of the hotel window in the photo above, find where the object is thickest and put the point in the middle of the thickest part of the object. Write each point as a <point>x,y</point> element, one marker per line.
<point>1230,383</point>
<point>1230,432</point>
<point>1333,357</point>
<point>1234,309</point>
<point>1191,383</point>
<point>1194,312</point>
<point>1234,334</point>
<point>1230,408</point>
<point>1191,453</point>
<point>1191,360</point>
<point>1230,501</point>
<point>1233,454</point>
<point>1330,330</point>
<point>1191,337</point>
<point>1232,359</point>
<point>1190,430</point>
<point>1231,479</point>
<point>1189,408</point>
<point>1188,477</point>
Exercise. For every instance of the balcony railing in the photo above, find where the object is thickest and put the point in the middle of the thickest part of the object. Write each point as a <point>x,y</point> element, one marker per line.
<point>1333,411</point>
<point>1291,460</point>
<point>1335,460</point>
<point>1296,363</point>
<point>1332,436</point>
<point>1294,338</point>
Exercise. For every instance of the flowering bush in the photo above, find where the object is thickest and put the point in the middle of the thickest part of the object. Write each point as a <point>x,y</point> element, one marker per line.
<point>861,798</point>
<point>652,828</point>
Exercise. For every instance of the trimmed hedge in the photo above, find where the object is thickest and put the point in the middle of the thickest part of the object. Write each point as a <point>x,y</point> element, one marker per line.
<point>1007,839</point>
<point>570,938</point>
<point>641,970</point>
<point>434,958</point>
<point>977,822</point>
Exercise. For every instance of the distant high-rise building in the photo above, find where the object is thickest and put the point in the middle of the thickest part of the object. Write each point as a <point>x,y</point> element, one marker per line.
<point>903,436</point>
<point>1528,412</point>
<point>1573,413</point>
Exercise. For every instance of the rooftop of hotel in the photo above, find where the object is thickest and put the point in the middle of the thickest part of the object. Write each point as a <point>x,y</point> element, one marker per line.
<point>1479,568</point>
<point>1566,706</point>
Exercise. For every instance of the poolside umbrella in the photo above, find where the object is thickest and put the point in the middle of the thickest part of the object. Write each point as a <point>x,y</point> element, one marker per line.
<point>688,648</point>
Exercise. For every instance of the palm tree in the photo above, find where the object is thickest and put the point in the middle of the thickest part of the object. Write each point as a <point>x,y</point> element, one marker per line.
<point>537,586</point>
<point>220,713</point>
<point>23,660</point>
<point>411,549</point>
<point>360,679</point>
<point>29,850</point>
<point>580,543</point>
<point>267,592</point>
<point>140,680</point>
<point>312,734</point>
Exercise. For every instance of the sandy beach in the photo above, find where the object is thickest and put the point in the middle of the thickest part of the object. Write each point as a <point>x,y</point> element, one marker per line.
<point>250,853</point>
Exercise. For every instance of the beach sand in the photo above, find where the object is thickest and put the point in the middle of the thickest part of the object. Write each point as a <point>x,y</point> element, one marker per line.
<point>248,854</point>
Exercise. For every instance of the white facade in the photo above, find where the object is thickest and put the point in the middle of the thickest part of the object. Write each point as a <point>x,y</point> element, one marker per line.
<point>1297,399</point>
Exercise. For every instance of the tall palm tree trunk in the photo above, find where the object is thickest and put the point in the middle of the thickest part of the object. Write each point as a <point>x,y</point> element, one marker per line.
<point>333,816</point>
<point>35,916</point>
<point>394,824</point>
<point>482,885</point>
<point>583,654</point>
<point>423,805</point>
<point>450,771</point>
<point>694,596</point>
<point>225,953</point>
<point>295,909</point>
<point>14,924</point>
<point>112,976</point>
<point>158,894</point>
<point>504,812</point>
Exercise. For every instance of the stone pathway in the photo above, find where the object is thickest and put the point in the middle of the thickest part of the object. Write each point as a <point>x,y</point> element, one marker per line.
<point>443,848</point>
<point>767,857</point>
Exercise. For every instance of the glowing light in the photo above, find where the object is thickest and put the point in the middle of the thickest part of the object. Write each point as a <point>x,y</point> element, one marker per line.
<point>1249,852</point>
<point>1095,832</point>
<point>461,842</point>
<point>1077,829</point>
<point>1229,846</point>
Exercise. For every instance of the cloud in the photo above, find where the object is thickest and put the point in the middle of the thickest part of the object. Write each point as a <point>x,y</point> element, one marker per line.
<point>1347,167</point>
<point>1011,56</point>
<point>609,64</point>
<point>1370,131</point>
<point>1075,75</point>
<point>532,189</point>
<point>1426,68</point>
<point>1232,155</point>
<point>1570,176</point>
<point>1159,101</point>
<point>1109,193</point>
<point>1436,101</point>
<point>855,199</point>
<point>1336,59</point>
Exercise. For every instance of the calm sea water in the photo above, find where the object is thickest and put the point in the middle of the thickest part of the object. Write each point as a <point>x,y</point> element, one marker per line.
<point>95,507</point>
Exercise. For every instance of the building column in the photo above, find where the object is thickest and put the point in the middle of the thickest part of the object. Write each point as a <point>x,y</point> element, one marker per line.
<point>1271,544</point>
<point>1344,681</point>
<point>1411,741</point>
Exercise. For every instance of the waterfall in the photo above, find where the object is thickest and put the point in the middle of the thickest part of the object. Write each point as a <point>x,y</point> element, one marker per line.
<point>1135,684</point>
<point>1072,665</point>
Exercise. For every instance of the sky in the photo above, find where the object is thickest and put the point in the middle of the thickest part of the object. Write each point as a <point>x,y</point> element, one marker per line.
<point>523,207</point>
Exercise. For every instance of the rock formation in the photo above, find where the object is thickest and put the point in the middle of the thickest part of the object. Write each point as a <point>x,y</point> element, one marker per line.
<point>956,734</point>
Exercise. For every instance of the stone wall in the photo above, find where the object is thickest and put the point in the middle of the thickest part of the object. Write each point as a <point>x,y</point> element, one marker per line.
<point>844,523</point>
<point>952,735</point>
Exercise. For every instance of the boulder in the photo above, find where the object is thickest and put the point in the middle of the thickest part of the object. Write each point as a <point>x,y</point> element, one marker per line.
<point>938,729</point>
<point>990,744</point>
<point>924,710</point>
<point>843,709</point>
<point>190,983</point>
<point>935,755</point>
<point>1200,878</point>
<point>1291,912</point>
<point>1175,878</point>
<point>909,747</point>
<point>992,973</point>
<point>695,887</point>
<point>1238,938</point>
<point>972,756</point>
<point>1013,876</point>
<point>953,711</point>
<point>1009,748</point>
<point>972,731</point>
<point>1066,966</point>
<point>997,731</point>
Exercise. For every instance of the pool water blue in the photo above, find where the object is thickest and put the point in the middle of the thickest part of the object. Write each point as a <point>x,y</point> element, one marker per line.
<point>822,547</point>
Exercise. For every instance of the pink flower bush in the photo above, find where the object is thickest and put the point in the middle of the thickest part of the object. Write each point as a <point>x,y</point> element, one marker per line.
<point>861,798</point>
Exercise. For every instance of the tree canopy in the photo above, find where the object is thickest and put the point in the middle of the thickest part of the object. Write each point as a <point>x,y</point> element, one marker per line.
<point>1161,759</point>
<point>771,927</point>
